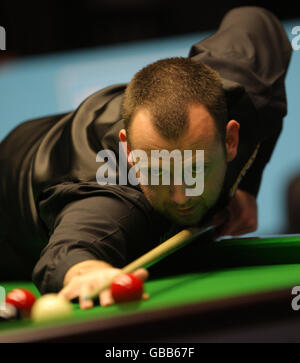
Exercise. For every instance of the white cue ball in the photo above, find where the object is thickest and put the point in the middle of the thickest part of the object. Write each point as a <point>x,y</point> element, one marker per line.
<point>51,307</point>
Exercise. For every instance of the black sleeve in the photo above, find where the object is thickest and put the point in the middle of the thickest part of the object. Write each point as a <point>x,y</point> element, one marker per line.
<point>107,225</point>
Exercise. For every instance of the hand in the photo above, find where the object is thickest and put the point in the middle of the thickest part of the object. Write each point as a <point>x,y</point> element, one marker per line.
<point>83,286</point>
<point>242,213</point>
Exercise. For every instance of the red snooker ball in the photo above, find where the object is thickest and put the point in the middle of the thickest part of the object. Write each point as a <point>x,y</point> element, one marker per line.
<point>126,288</point>
<point>22,299</point>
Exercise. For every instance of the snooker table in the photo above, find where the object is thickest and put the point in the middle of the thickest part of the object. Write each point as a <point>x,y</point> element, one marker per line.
<point>242,292</point>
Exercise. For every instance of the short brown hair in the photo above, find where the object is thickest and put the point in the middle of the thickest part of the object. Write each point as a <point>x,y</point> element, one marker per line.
<point>167,87</point>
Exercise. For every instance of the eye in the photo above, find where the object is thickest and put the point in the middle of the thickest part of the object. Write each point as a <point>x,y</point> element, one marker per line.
<point>196,170</point>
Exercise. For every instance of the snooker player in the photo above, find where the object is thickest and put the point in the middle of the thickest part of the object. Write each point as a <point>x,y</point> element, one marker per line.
<point>226,98</point>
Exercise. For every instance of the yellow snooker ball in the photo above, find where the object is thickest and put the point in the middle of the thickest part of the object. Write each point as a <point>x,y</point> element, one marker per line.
<point>51,307</point>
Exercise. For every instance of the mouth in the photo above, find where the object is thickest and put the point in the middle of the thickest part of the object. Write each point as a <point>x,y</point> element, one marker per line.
<point>185,210</point>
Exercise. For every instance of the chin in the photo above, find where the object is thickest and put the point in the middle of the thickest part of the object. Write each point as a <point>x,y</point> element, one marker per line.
<point>187,221</point>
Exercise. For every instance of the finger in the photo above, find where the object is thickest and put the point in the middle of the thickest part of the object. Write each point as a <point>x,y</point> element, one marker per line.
<point>69,292</point>
<point>106,298</point>
<point>85,302</point>
<point>141,273</point>
<point>145,296</point>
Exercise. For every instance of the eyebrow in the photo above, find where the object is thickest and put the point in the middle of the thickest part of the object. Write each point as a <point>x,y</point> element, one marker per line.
<point>148,149</point>
<point>196,143</point>
<point>207,154</point>
<point>206,163</point>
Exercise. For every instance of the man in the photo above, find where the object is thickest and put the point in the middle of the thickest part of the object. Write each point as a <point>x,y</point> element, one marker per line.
<point>227,98</point>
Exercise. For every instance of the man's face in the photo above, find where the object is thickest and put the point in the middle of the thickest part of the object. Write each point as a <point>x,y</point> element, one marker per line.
<point>171,200</point>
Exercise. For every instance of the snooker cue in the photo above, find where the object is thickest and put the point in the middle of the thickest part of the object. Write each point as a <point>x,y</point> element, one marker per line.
<point>166,248</point>
<point>163,250</point>
<point>174,243</point>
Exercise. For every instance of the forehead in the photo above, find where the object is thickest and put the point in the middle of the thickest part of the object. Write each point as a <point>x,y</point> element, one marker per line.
<point>200,134</point>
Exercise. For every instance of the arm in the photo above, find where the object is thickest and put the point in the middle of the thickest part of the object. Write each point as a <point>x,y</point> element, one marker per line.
<point>91,238</point>
<point>81,232</point>
<point>243,210</point>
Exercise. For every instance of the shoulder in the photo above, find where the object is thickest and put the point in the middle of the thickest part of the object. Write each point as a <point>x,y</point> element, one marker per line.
<point>104,95</point>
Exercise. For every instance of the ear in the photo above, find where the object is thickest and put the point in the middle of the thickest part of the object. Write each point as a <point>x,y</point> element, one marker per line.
<point>125,146</point>
<point>232,139</point>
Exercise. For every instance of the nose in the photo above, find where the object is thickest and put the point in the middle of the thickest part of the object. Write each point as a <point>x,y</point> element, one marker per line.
<point>178,196</point>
